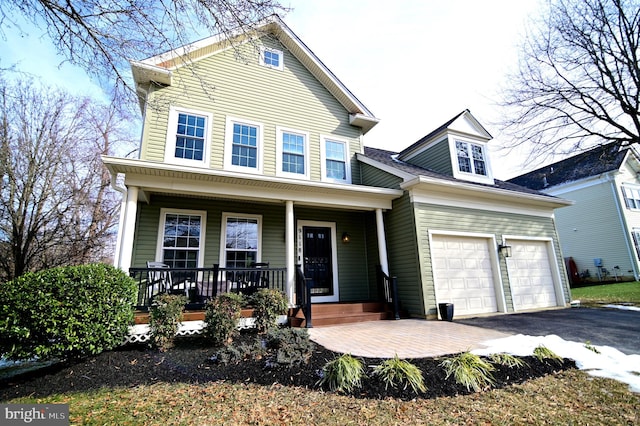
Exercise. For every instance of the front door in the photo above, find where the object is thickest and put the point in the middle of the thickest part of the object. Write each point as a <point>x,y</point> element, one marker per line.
<point>317,246</point>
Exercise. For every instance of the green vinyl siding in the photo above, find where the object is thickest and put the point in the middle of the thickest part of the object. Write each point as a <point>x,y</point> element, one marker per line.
<point>372,176</point>
<point>226,86</point>
<point>436,157</point>
<point>439,218</point>
<point>404,258</point>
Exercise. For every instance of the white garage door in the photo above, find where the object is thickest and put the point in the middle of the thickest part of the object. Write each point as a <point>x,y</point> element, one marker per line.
<point>463,274</point>
<point>530,275</point>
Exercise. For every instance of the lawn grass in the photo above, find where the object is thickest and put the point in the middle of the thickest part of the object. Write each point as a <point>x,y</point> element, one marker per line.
<point>570,397</point>
<point>628,292</point>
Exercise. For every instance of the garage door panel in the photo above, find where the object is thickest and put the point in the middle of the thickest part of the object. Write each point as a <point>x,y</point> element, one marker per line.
<point>530,274</point>
<point>465,278</point>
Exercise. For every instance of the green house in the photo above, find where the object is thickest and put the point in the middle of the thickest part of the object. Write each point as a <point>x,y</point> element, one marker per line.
<point>252,154</point>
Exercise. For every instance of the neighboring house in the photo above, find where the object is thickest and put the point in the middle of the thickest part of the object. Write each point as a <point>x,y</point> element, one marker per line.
<point>253,152</point>
<point>601,231</point>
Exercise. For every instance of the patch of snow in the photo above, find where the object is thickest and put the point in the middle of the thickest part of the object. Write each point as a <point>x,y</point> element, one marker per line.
<point>609,362</point>
<point>623,307</point>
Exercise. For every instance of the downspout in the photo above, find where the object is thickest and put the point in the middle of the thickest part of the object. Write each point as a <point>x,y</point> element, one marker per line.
<point>624,228</point>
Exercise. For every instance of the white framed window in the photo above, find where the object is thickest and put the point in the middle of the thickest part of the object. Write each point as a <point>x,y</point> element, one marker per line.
<point>243,145</point>
<point>181,237</point>
<point>188,137</point>
<point>241,240</point>
<point>631,196</point>
<point>335,160</point>
<point>272,58</point>
<point>292,153</point>
<point>471,158</point>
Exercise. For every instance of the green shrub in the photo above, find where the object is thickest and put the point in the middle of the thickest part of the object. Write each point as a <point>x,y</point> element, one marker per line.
<point>292,345</point>
<point>469,370</point>
<point>343,374</point>
<point>543,354</point>
<point>65,312</point>
<point>235,354</point>
<point>267,305</point>
<point>165,316</point>
<point>507,360</point>
<point>395,371</point>
<point>221,318</point>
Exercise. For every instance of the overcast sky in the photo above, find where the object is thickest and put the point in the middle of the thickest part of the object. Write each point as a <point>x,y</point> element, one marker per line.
<point>414,64</point>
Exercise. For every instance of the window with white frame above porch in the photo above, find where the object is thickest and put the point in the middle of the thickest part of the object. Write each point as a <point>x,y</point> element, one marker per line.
<point>188,137</point>
<point>292,159</point>
<point>335,160</point>
<point>242,236</point>
<point>243,145</point>
<point>181,242</point>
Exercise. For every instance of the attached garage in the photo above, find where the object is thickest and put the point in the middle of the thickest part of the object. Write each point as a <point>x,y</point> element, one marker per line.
<point>463,273</point>
<point>531,275</point>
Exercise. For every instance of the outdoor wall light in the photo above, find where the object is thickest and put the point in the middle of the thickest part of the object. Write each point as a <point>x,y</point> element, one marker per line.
<point>346,237</point>
<point>504,250</point>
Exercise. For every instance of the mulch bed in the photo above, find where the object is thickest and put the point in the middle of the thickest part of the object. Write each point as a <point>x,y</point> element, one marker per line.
<point>189,362</point>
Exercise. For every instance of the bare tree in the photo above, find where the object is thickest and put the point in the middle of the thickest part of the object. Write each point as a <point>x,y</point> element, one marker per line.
<point>101,36</point>
<point>578,83</point>
<point>55,207</point>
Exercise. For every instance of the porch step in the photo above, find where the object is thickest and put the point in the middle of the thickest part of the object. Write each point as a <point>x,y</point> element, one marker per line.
<point>323,314</point>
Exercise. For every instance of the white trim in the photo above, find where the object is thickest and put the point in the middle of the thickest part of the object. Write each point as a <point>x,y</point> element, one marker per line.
<point>128,231</point>
<point>280,66</point>
<point>228,145</point>
<point>501,302</point>
<point>280,131</point>
<point>553,265</point>
<point>323,159</point>
<point>223,234</point>
<point>335,297</point>
<point>172,128</point>
<point>161,223</point>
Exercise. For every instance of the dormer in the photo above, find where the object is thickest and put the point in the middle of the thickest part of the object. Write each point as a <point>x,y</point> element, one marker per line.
<point>458,148</point>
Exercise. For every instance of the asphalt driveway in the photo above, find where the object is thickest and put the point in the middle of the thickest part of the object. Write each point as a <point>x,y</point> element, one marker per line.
<point>601,326</point>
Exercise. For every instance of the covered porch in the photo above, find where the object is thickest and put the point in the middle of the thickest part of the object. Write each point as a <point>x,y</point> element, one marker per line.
<point>328,236</point>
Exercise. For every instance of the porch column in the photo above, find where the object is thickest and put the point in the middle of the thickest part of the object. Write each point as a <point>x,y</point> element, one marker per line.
<point>290,251</point>
<point>123,212</point>
<point>128,230</point>
<point>382,243</point>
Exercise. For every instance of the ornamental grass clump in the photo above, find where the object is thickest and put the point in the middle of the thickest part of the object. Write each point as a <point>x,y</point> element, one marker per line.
<point>221,318</point>
<point>469,370</point>
<point>396,371</point>
<point>543,354</point>
<point>507,360</point>
<point>343,374</point>
<point>165,316</point>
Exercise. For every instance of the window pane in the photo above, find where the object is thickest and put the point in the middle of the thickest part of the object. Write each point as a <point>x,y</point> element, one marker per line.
<point>190,137</point>
<point>241,242</point>
<point>335,150</point>
<point>336,170</point>
<point>245,141</point>
<point>181,241</point>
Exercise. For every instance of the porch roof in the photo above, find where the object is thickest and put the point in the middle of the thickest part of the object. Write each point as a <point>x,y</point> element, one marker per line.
<point>161,178</point>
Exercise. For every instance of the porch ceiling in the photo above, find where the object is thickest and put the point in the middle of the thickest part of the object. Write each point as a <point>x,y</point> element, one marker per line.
<point>161,178</point>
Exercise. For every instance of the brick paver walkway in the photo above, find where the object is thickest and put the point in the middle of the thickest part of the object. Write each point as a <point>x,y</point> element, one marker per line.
<point>408,338</point>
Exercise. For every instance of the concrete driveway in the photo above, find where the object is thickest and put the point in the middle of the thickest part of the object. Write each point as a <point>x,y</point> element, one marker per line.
<point>602,326</point>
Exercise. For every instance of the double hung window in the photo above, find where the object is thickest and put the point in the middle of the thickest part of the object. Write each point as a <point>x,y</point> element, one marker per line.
<point>243,146</point>
<point>242,236</point>
<point>188,137</point>
<point>292,153</point>
<point>335,164</point>
<point>182,238</point>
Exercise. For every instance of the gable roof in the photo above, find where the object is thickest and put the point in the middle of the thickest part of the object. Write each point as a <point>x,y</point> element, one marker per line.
<point>409,171</point>
<point>159,68</point>
<point>429,137</point>
<point>599,160</point>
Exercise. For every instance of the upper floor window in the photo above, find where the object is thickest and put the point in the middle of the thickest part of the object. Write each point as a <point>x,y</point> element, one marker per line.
<point>242,236</point>
<point>243,145</point>
<point>188,136</point>
<point>335,160</point>
<point>471,158</point>
<point>181,238</point>
<point>292,153</point>
<point>631,196</point>
<point>272,58</point>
